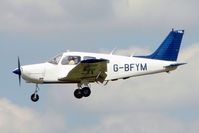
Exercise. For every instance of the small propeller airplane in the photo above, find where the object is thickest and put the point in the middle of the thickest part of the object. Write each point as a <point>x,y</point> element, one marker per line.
<point>84,68</point>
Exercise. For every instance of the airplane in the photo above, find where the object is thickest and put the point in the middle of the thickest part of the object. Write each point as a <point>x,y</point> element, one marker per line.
<point>83,68</point>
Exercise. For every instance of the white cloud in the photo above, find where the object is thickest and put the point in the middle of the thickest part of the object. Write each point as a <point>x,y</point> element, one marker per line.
<point>160,12</point>
<point>14,118</point>
<point>131,51</point>
<point>134,50</point>
<point>139,123</point>
<point>20,15</point>
<point>189,53</point>
<point>88,15</point>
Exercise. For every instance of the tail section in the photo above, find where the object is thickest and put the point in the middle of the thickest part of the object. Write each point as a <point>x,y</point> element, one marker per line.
<point>169,48</point>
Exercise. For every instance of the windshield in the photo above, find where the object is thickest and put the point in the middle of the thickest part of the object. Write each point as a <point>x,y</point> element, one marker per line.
<point>56,59</point>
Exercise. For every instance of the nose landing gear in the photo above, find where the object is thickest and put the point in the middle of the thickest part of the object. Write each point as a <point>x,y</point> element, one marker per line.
<point>35,97</point>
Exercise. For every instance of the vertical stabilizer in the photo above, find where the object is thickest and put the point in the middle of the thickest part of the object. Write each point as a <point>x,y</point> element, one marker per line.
<point>169,48</point>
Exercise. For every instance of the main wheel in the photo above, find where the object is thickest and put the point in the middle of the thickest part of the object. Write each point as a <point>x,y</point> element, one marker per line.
<point>86,91</point>
<point>78,93</point>
<point>34,97</point>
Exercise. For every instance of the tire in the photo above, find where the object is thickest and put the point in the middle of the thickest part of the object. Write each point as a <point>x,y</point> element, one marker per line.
<point>34,97</point>
<point>86,91</point>
<point>78,93</point>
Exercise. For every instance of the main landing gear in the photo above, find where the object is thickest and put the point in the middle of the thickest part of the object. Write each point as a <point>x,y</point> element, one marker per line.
<point>35,97</point>
<point>83,92</point>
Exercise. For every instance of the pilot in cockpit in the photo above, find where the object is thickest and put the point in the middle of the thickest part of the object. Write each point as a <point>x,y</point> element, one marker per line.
<point>71,60</point>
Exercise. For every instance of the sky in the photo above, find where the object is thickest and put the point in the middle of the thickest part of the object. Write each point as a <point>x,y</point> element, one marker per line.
<point>37,30</point>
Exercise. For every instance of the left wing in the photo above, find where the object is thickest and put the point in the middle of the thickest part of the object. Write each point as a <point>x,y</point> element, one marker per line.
<point>90,69</point>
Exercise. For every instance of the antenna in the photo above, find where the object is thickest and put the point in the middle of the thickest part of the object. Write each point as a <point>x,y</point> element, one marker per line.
<point>132,54</point>
<point>113,50</point>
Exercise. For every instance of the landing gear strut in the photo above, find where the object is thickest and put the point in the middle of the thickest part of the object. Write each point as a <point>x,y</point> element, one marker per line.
<point>35,96</point>
<point>83,92</point>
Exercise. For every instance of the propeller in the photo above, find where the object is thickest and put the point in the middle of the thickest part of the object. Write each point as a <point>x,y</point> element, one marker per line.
<point>18,71</point>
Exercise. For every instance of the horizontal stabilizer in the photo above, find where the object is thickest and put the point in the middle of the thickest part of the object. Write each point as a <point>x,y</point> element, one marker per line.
<point>178,64</point>
<point>174,66</point>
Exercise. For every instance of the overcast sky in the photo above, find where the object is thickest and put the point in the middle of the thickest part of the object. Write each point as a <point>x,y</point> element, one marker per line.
<point>37,30</point>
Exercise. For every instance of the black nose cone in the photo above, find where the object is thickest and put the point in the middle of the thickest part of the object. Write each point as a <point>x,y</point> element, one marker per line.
<point>17,71</point>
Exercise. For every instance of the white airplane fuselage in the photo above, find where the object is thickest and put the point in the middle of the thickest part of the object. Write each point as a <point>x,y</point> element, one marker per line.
<point>118,67</point>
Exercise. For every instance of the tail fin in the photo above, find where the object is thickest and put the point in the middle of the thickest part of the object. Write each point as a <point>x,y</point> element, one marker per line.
<point>169,48</point>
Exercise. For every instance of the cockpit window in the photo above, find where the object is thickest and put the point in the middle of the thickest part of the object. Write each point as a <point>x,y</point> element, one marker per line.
<point>70,60</point>
<point>55,60</point>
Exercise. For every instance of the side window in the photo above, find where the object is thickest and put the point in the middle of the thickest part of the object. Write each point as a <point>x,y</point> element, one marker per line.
<point>70,60</point>
<point>65,60</point>
<point>89,57</point>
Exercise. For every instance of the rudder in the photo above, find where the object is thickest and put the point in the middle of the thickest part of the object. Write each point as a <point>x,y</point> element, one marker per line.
<point>169,48</point>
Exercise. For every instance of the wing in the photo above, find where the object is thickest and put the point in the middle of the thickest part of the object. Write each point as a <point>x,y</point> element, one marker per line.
<point>90,69</point>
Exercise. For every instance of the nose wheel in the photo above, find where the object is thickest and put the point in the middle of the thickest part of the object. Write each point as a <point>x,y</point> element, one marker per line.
<point>35,97</point>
